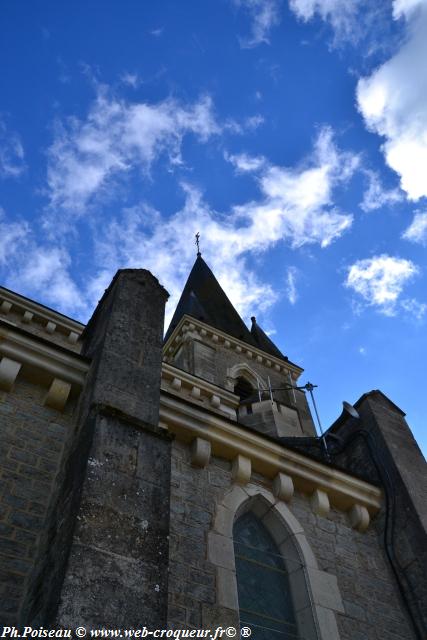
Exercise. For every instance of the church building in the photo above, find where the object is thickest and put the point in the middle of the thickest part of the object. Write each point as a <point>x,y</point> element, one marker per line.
<point>177,482</point>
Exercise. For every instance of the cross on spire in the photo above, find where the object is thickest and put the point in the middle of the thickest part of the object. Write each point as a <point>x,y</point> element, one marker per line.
<point>197,243</point>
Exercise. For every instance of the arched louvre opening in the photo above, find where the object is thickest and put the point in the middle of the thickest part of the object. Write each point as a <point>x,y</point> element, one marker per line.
<point>265,600</point>
<point>243,389</point>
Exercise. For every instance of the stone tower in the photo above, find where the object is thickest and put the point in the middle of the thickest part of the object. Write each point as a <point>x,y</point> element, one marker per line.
<point>180,484</point>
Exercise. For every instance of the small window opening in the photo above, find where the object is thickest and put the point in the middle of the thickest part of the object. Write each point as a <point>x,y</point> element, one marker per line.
<point>243,389</point>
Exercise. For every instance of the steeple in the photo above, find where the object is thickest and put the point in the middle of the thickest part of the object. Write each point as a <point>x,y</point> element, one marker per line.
<point>263,341</point>
<point>204,299</point>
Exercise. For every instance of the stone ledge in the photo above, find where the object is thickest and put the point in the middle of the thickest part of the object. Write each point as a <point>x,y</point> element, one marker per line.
<point>25,348</point>
<point>32,310</point>
<point>269,458</point>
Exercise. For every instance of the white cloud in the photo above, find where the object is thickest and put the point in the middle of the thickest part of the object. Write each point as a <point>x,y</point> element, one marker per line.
<point>298,203</point>
<point>166,248</point>
<point>157,32</point>
<point>414,308</point>
<point>11,153</point>
<point>393,102</point>
<point>115,138</point>
<point>341,15</point>
<point>376,196</point>
<point>245,163</point>
<point>417,230</point>
<point>12,235</point>
<point>291,290</point>
<point>265,14</point>
<point>253,122</point>
<point>380,280</point>
<point>37,270</point>
<point>405,8</point>
<point>295,205</point>
<point>130,79</point>
<point>45,271</point>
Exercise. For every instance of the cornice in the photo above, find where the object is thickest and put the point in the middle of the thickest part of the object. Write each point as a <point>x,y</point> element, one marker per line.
<point>203,415</point>
<point>324,483</point>
<point>33,312</point>
<point>25,348</point>
<point>190,325</point>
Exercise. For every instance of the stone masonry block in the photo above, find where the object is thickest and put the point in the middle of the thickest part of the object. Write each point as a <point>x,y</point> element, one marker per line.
<point>220,550</point>
<point>283,487</point>
<point>320,502</point>
<point>241,469</point>
<point>200,452</point>
<point>9,370</point>
<point>58,394</point>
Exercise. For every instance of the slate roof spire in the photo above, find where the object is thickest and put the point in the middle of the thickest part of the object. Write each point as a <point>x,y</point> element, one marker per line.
<point>204,299</point>
<point>263,341</point>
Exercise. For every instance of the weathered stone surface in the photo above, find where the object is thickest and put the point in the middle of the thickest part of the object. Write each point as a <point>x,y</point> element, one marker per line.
<point>33,445</point>
<point>124,509</point>
<point>117,571</point>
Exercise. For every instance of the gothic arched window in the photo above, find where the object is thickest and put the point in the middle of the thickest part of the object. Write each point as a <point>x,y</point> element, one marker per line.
<point>265,601</point>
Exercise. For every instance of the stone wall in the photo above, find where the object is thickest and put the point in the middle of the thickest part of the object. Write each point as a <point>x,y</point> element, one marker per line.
<point>192,578</point>
<point>381,445</point>
<point>33,444</point>
<point>372,606</point>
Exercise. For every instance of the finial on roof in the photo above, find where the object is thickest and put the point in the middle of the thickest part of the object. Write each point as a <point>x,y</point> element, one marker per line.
<point>198,244</point>
<point>253,319</point>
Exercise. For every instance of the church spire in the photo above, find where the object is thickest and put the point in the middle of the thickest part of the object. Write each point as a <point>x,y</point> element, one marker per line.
<point>204,299</point>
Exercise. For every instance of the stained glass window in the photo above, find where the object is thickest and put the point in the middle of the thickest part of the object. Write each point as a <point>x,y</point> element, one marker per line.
<point>265,602</point>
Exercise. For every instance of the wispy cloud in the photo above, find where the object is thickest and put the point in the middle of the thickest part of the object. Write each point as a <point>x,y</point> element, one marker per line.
<point>297,203</point>
<point>393,102</point>
<point>351,21</point>
<point>245,163</point>
<point>295,206</point>
<point>413,308</point>
<point>116,138</point>
<point>12,162</point>
<point>130,79</point>
<point>417,230</point>
<point>291,289</point>
<point>264,14</point>
<point>157,32</point>
<point>12,236</point>
<point>377,196</point>
<point>38,269</point>
<point>45,271</point>
<point>379,281</point>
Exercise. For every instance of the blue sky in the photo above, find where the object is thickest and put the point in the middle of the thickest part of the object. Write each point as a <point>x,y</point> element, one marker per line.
<point>291,134</point>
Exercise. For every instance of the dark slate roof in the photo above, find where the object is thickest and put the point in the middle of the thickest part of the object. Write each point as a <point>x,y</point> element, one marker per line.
<point>204,299</point>
<point>262,340</point>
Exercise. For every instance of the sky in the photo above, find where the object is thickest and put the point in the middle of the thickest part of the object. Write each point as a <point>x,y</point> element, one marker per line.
<point>291,134</point>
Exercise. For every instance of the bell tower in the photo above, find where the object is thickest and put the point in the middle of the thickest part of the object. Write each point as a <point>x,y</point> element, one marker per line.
<point>208,338</point>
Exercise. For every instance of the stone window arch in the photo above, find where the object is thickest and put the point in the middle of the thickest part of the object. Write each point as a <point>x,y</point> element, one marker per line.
<point>243,371</point>
<point>314,593</point>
